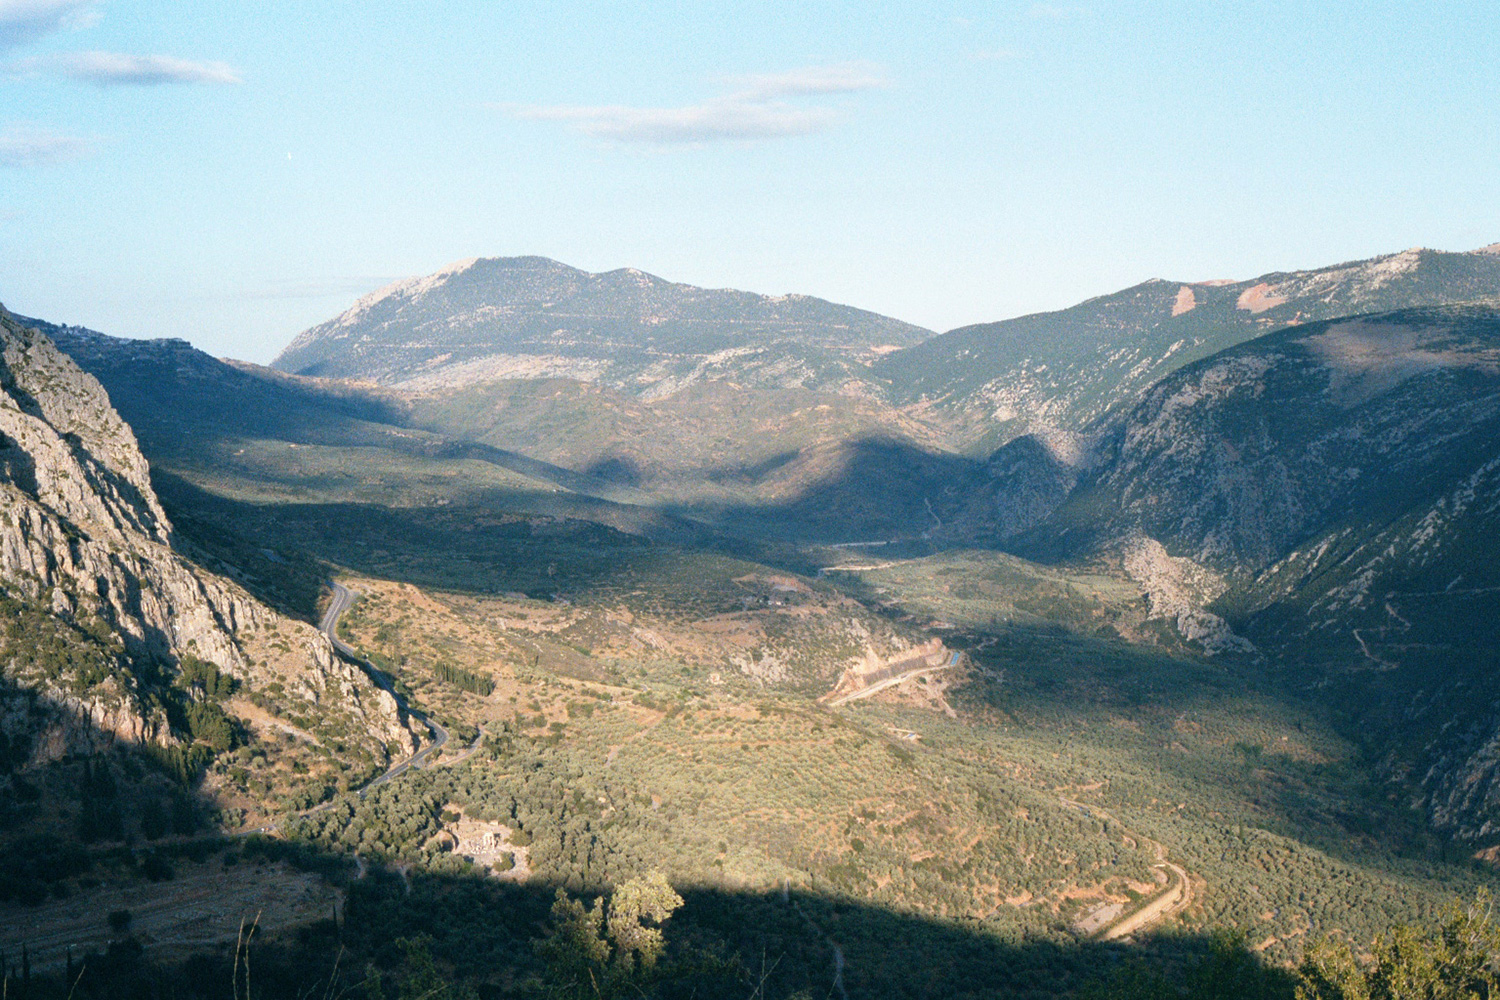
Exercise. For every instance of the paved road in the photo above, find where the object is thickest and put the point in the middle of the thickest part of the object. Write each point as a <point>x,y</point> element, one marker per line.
<point>343,600</point>
<point>889,682</point>
<point>1173,900</point>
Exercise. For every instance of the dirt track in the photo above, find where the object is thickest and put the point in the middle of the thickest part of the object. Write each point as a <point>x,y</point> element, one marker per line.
<point>1173,899</point>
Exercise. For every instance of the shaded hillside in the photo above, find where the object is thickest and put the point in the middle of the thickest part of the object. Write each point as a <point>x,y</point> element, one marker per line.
<point>530,317</point>
<point>1332,490</point>
<point>1057,373</point>
<point>780,463</point>
<point>254,432</point>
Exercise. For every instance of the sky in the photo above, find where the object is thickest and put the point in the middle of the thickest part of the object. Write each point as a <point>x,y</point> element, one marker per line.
<point>234,173</point>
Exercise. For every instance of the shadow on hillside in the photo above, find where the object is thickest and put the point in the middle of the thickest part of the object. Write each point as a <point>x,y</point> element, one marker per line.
<point>185,405</point>
<point>723,942</point>
<point>1057,680</point>
<point>510,544</point>
<point>866,489</point>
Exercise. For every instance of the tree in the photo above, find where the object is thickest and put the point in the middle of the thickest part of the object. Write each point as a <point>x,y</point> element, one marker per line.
<point>419,978</point>
<point>1459,961</point>
<point>608,949</point>
<point>640,899</point>
<point>574,948</point>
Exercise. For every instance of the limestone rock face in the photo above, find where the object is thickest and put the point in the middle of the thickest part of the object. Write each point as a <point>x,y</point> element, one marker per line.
<point>78,515</point>
<point>82,532</point>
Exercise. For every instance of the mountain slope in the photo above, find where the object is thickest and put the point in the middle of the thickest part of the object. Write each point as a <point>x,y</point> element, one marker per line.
<point>1332,490</point>
<point>1237,459</point>
<point>89,557</point>
<point>244,429</point>
<point>481,320</point>
<point>1058,373</point>
<point>780,462</point>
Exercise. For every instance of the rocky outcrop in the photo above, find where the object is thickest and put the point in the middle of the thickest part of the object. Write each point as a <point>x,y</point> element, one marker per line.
<point>1179,591</point>
<point>79,520</point>
<point>83,533</point>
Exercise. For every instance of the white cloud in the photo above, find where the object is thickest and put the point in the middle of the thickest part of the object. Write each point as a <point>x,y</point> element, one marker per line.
<point>713,120</point>
<point>24,146</point>
<point>113,69</point>
<point>755,110</point>
<point>23,21</point>
<point>842,78</point>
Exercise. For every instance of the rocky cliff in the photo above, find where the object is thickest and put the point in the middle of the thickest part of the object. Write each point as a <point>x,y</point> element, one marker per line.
<point>84,541</point>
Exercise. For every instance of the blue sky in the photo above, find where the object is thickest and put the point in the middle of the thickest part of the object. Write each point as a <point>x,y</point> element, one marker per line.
<point>233,173</point>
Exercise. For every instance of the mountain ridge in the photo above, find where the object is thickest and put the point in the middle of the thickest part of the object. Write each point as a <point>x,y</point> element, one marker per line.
<point>1330,493</point>
<point>483,319</point>
<point>1061,372</point>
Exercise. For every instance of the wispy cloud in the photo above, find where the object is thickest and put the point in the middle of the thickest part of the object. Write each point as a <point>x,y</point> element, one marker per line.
<point>842,78</point>
<point>25,146</point>
<point>317,288</point>
<point>757,108</point>
<point>994,55</point>
<point>707,122</point>
<point>24,21</point>
<point>114,69</point>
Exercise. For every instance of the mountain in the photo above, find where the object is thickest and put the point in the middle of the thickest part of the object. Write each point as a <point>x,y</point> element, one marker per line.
<point>790,415</point>
<point>1330,493</point>
<point>1056,374</point>
<point>114,638</point>
<point>1220,654</point>
<point>530,317</point>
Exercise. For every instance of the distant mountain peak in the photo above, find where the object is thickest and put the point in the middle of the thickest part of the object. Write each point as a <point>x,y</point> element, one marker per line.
<point>486,319</point>
<point>405,287</point>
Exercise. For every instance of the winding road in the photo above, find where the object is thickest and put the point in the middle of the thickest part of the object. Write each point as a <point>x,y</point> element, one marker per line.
<point>1174,898</point>
<point>343,600</point>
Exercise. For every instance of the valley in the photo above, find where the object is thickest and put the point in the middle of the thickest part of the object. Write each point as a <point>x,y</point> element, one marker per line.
<point>1013,655</point>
